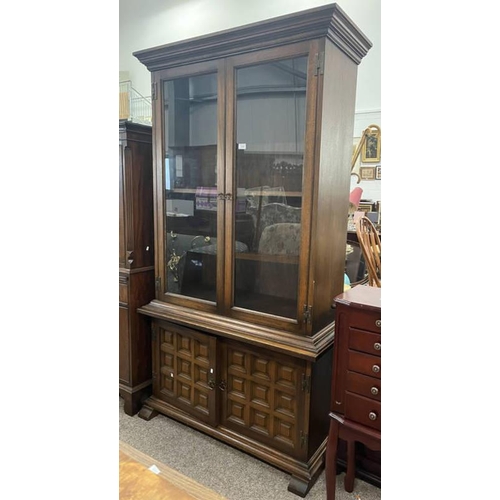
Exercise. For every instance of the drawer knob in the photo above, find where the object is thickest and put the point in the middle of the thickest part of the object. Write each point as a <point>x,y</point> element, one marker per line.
<point>378,323</point>
<point>374,391</point>
<point>377,346</point>
<point>372,415</point>
<point>375,368</point>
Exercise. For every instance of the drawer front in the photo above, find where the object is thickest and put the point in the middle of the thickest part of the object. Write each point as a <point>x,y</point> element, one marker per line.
<point>363,410</point>
<point>364,364</point>
<point>363,385</point>
<point>365,320</point>
<point>361,340</point>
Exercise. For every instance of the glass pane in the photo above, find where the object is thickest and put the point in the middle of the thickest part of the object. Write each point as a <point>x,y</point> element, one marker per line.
<point>355,266</point>
<point>270,118</point>
<point>191,185</point>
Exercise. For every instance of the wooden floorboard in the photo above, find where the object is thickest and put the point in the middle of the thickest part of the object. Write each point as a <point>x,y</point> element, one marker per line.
<point>137,482</point>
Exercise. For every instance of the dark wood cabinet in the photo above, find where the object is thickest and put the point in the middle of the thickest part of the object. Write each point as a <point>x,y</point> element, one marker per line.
<point>252,133</point>
<point>184,369</point>
<point>355,408</point>
<point>136,261</point>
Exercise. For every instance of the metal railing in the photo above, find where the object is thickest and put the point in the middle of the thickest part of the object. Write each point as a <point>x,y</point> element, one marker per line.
<point>133,105</point>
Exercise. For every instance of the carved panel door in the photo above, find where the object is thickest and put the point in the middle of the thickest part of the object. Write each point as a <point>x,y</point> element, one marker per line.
<point>263,396</point>
<point>184,372</point>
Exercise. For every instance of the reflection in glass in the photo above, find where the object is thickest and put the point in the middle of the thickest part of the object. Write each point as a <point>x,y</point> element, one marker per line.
<point>191,185</point>
<point>270,123</point>
<point>354,262</point>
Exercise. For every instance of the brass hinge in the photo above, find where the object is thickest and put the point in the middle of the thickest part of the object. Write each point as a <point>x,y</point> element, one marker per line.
<point>307,314</point>
<point>303,439</point>
<point>153,91</point>
<point>158,283</point>
<point>306,383</point>
<point>320,63</point>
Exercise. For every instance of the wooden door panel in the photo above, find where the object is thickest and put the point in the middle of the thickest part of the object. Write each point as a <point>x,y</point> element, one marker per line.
<point>186,370</point>
<point>124,345</point>
<point>263,397</point>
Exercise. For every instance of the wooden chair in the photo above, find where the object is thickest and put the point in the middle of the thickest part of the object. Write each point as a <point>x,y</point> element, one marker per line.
<point>369,241</point>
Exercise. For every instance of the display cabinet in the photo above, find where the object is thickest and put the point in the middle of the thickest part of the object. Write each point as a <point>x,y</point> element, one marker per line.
<point>136,259</point>
<point>252,142</point>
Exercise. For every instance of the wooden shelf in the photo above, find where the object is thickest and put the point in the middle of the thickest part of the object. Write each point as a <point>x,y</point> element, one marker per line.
<point>262,257</point>
<point>291,194</point>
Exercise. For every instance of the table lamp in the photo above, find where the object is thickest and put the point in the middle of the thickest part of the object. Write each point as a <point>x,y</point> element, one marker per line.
<point>354,199</point>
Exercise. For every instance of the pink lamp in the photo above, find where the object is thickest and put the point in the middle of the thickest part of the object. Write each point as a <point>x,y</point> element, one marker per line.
<point>355,197</point>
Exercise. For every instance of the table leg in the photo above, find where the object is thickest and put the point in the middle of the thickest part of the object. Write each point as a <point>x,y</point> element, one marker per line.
<point>331,459</point>
<point>351,465</point>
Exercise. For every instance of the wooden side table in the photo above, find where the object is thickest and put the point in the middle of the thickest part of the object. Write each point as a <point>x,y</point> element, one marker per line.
<point>356,384</point>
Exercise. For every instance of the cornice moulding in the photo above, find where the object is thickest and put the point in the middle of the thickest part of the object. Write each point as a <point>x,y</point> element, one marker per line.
<point>328,21</point>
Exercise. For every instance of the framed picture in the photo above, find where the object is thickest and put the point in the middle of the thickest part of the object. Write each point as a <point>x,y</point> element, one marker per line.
<point>367,173</point>
<point>378,174</point>
<point>370,152</point>
<point>365,207</point>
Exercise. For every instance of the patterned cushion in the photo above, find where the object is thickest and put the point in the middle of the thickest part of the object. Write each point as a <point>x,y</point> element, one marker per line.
<point>273,213</point>
<point>280,239</point>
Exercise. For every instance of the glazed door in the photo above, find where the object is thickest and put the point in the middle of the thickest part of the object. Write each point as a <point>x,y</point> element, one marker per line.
<point>271,99</point>
<point>190,172</point>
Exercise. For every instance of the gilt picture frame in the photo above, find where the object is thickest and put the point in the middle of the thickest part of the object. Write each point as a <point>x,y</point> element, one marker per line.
<point>367,173</point>
<point>371,150</point>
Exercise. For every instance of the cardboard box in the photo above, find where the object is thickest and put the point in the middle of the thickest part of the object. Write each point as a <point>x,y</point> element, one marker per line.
<point>206,198</point>
<point>180,207</point>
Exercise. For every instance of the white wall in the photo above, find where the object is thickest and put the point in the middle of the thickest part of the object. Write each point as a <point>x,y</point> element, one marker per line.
<point>149,23</point>
<point>371,189</point>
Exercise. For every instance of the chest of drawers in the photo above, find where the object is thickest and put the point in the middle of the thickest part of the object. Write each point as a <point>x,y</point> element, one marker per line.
<point>355,409</point>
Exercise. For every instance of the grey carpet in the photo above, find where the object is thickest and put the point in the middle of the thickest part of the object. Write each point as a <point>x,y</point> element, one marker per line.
<point>226,470</point>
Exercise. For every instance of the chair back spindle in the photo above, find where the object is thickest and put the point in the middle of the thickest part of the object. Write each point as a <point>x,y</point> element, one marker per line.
<point>369,242</point>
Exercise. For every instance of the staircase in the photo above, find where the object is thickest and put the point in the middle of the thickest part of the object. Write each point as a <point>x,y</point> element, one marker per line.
<point>133,105</point>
